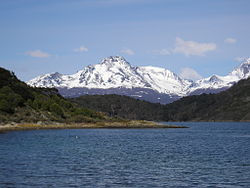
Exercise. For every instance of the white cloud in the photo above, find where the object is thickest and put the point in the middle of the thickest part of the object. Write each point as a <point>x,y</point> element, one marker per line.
<point>163,52</point>
<point>37,53</point>
<point>230,40</point>
<point>189,73</point>
<point>189,48</point>
<point>128,51</point>
<point>81,49</point>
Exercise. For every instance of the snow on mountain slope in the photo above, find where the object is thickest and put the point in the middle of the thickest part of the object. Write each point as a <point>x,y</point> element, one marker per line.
<point>112,72</point>
<point>115,72</point>
<point>163,80</point>
<point>218,82</point>
<point>241,72</point>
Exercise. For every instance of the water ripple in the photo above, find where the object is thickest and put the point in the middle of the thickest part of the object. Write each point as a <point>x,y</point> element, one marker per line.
<point>205,155</point>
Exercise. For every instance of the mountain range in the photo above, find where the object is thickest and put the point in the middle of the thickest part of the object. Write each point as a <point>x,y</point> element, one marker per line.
<point>114,75</point>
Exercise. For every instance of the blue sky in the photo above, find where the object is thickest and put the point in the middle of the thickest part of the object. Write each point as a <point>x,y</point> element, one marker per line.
<point>193,38</point>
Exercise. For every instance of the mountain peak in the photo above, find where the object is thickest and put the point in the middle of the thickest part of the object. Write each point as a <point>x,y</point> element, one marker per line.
<point>114,60</point>
<point>243,71</point>
<point>214,78</point>
<point>246,61</point>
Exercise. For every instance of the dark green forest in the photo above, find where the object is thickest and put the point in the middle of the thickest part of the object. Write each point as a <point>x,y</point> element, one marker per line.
<point>21,103</point>
<point>122,106</point>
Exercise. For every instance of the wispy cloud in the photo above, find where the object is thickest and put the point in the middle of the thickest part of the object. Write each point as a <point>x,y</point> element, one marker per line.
<point>81,49</point>
<point>190,48</point>
<point>230,40</point>
<point>128,51</point>
<point>190,74</point>
<point>38,54</point>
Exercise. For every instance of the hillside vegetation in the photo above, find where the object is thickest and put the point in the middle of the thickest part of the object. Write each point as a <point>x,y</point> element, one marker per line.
<point>230,105</point>
<point>121,106</point>
<point>21,103</point>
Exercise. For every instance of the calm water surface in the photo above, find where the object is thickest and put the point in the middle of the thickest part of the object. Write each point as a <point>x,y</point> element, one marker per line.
<point>205,155</point>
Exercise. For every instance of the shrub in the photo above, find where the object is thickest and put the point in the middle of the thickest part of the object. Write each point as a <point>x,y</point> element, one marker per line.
<point>56,109</point>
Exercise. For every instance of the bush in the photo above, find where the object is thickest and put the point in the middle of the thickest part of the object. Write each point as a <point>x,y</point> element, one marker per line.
<point>5,107</point>
<point>56,109</point>
<point>9,100</point>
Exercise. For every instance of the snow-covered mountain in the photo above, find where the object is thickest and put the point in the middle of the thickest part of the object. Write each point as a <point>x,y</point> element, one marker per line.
<point>115,75</point>
<point>217,83</point>
<point>116,72</point>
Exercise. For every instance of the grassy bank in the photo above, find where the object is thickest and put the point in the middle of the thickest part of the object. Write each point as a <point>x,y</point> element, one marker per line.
<point>120,124</point>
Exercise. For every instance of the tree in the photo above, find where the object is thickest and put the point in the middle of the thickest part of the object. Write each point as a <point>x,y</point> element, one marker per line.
<point>5,107</point>
<point>56,109</point>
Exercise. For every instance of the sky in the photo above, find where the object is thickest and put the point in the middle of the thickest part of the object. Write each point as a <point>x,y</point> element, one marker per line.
<point>193,38</point>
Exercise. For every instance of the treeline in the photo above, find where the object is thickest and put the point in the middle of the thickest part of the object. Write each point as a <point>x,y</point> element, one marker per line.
<point>230,105</point>
<point>21,103</point>
<point>121,106</point>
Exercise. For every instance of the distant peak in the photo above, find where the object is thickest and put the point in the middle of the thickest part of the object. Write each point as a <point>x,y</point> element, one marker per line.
<point>114,60</point>
<point>54,74</point>
<point>242,71</point>
<point>245,64</point>
<point>246,61</point>
<point>214,78</point>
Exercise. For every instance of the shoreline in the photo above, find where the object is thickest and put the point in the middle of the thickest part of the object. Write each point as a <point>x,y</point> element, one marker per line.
<point>139,124</point>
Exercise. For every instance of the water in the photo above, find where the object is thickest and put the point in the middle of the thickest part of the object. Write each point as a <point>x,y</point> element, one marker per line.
<point>205,155</point>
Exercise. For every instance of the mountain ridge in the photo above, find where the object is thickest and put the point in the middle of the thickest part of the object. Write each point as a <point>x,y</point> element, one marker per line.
<point>115,72</point>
